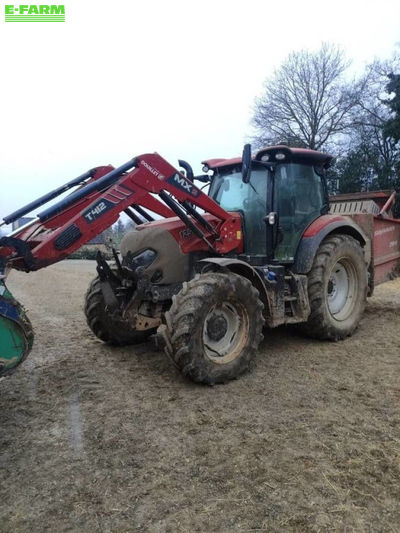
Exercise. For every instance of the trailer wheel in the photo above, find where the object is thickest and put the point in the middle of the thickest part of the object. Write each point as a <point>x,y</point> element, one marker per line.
<point>213,327</point>
<point>107,328</point>
<point>337,289</point>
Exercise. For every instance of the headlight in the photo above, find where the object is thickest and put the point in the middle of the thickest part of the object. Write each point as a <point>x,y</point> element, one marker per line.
<point>141,259</point>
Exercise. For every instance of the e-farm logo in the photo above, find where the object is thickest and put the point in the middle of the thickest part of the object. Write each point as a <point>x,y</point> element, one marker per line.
<point>34,13</point>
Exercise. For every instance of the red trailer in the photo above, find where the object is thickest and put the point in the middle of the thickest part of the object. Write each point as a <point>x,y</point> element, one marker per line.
<point>373,213</point>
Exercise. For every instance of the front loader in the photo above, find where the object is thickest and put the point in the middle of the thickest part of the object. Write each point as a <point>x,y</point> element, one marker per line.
<point>264,247</point>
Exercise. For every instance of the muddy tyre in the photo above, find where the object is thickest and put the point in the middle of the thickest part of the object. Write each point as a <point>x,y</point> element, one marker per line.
<point>108,328</point>
<point>213,327</point>
<point>337,289</point>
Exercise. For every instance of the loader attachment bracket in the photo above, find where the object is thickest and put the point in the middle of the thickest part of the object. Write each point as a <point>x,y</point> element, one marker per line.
<point>22,249</point>
<point>106,275</point>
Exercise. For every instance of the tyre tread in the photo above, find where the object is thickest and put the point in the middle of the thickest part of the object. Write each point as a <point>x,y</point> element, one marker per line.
<point>182,317</point>
<point>319,324</point>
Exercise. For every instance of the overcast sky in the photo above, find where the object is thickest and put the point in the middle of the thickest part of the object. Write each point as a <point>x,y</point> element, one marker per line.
<point>122,78</point>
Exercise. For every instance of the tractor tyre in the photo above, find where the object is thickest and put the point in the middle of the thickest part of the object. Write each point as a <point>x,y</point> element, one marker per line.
<point>213,327</point>
<point>337,289</point>
<point>108,328</point>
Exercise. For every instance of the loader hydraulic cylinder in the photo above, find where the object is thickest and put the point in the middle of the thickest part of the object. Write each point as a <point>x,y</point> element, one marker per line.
<point>9,219</point>
<point>97,185</point>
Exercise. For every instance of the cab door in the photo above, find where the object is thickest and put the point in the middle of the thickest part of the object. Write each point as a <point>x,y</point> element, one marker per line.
<point>299,199</point>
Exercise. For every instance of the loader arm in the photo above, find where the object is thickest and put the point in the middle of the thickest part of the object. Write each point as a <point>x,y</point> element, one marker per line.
<point>147,181</point>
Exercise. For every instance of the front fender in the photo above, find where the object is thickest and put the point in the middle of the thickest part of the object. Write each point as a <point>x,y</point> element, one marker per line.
<point>243,269</point>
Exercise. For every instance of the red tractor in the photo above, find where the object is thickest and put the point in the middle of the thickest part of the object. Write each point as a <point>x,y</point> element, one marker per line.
<point>264,247</point>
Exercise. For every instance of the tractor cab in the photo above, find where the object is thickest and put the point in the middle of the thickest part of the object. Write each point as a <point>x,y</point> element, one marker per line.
<point>278,192</point>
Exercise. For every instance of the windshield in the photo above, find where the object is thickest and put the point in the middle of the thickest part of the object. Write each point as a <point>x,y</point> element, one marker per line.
<point>229,191</point>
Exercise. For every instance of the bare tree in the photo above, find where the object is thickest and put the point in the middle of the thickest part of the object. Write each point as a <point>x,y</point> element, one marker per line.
<point>307,101</point>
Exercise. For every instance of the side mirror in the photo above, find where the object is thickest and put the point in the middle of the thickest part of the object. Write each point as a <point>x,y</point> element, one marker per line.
<point>246,163</point>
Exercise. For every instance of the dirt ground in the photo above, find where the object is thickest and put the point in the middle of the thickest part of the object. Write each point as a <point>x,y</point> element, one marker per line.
<point>101,439</point>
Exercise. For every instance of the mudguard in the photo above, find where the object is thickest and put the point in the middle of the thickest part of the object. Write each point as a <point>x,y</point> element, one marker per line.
<point>316,233</point>
<point>244,269</point>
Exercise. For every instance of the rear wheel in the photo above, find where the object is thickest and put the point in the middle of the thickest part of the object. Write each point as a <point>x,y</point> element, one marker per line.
<point>337,288</point>
<point>214,326</point>
<point>109,328</point>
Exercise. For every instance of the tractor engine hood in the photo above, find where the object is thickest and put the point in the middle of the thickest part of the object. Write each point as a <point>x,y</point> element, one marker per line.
<point>154,248</point>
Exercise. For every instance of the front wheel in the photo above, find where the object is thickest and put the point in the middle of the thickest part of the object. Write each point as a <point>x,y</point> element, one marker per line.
<point>214,326</point>
<point>337,288</point>
<point>109,328</point>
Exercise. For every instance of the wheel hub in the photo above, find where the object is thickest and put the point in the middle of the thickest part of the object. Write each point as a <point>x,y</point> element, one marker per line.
<point>224,332</point>
<point>332,288</point>
<point>217,326</point>
<point>341,289</point>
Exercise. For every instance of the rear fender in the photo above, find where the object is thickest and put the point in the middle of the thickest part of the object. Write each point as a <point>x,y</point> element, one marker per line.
<point>318,231</point>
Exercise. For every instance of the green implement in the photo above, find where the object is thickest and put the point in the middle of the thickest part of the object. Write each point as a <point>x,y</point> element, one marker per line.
<point>16,333</point>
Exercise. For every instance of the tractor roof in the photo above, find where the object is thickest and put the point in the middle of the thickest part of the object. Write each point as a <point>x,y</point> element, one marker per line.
<point>281,154</point>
